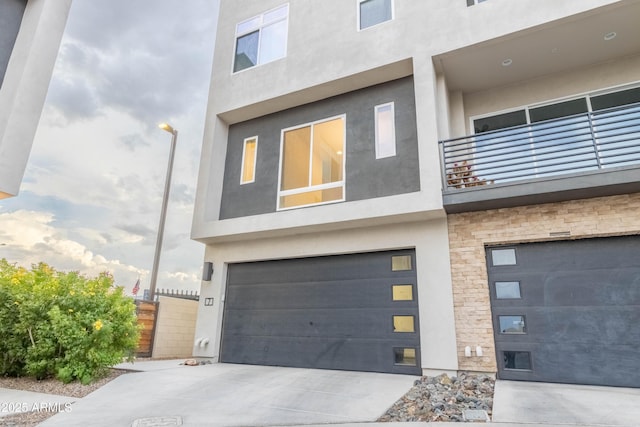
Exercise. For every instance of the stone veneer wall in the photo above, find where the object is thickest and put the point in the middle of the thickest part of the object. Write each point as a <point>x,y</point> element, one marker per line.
<point>470,232</point>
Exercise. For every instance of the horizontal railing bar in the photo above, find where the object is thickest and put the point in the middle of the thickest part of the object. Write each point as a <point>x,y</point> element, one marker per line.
<point>539,165</point>
<point>511,177</point>
<point>531,138</point>
<point>620,154</point>
<point>530,152</point>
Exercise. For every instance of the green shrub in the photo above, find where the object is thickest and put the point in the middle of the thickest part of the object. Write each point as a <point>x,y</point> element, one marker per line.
<point>63,324</point>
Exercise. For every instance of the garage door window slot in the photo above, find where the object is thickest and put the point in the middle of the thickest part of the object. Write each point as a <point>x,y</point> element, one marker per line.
<point>402,292</point>
<point>517,360</point>
<point>503,256</point>
<point>512,325</point>
<point>404,324</point>
<point>405,356</point>
<point>401,263</point>
<point>507,290</point>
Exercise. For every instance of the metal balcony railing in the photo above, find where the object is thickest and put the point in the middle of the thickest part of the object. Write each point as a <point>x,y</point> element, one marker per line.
<point>583,142</point>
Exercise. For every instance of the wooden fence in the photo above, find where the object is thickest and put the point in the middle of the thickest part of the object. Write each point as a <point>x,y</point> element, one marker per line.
<point>147,312</point>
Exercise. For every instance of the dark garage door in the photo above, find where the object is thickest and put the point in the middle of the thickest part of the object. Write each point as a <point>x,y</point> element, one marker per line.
<point>568,311</point>
<point>353,312</point>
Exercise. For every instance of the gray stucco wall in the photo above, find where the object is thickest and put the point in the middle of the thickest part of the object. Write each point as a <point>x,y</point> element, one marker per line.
<point>11,12</point>
<point>366,177</point>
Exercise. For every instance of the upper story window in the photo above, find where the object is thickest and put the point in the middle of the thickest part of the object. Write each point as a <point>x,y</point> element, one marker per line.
<point>472,2</point>
<point>373,12</point>
<point>557,110</point>
<point>261,39</point>
<point>385,130</point>
<point>249,150</point>
<point>312,163</point>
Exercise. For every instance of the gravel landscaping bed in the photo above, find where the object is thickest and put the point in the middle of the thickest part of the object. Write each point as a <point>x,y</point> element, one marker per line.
<point>48,386</point>
<point>444,398</point>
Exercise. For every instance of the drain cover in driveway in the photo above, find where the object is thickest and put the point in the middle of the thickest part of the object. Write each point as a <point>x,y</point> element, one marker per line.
<point>157,422</point>
<point>475,415</point>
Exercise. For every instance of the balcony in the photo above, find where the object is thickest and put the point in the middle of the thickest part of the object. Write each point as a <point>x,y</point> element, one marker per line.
<point>579,156</point>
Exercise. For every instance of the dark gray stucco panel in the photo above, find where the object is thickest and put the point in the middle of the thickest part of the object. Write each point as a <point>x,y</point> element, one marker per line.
<point>11,12</point>
<point>366,177</point>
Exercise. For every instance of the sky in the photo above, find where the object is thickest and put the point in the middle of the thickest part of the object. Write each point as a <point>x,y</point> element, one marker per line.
<point>91,196</point>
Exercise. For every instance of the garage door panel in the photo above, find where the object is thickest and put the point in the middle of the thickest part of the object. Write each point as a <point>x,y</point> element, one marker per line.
<point>549,363</point>
<point>593,287</point>
<point>329,268</point>
<point>593,363</point>
<point>316,294</point>
<point>579,303</point>
<point>609,325</point>
<point>321,353</point>
<point>343,323</point>
<point>605,325</point>
<point>586,255</point>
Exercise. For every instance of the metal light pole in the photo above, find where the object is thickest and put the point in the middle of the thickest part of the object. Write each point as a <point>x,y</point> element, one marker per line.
<point>163,212</point>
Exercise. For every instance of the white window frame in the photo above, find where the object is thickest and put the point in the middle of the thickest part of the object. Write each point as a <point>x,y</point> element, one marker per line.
<point>358,24</point>
<point>310,187</point>
<point>255,160</point>
<point>259,27</point>
<point>378,137</point>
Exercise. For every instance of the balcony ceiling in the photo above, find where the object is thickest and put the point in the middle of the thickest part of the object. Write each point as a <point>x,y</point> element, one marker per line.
<point>554,47</point>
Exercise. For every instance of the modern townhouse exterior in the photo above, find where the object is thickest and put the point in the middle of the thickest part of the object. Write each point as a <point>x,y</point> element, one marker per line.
<point>418,187</point>
<point>30,34</point>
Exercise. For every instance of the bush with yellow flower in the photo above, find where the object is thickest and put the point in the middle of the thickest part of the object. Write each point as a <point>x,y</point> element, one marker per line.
<point>64,325</point>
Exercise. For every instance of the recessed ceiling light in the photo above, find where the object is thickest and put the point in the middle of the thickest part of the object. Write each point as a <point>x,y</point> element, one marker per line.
<point>507,62</point>
<point>610,36</point>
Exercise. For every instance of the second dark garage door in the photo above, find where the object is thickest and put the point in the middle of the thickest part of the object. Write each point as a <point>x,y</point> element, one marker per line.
<point>352,312</point>
<point>568,311</point>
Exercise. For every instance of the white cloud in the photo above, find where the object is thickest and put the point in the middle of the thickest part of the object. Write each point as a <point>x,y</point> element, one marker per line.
<point>29,238</point>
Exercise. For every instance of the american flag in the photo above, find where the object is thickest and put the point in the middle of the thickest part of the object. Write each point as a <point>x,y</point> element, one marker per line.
<point>136,288</point>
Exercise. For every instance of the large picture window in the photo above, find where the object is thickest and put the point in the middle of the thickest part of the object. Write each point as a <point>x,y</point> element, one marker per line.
<point>261,39</point>
<point>312,163</point>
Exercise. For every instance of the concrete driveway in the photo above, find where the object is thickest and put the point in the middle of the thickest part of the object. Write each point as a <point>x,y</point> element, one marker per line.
<point>164,393</point>
<point>565,404</point>
<point>235,395</point>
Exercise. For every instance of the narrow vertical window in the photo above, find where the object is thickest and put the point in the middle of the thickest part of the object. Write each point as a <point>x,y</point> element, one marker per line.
<point>248,173</point>
<point>373,12</point>
<point>385,130</point>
